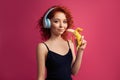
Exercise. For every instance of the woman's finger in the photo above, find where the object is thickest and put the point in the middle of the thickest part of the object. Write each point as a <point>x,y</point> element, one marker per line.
<point>82,37</point>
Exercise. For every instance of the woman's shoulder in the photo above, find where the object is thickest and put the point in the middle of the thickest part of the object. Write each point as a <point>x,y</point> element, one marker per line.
<point>70,41</point>
<point>42,43</point>
<point>41,47</point>
<point>41,51</point>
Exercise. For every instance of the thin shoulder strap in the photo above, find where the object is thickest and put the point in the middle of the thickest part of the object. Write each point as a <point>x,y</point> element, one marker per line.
<point>68,43</point>
<point>46,46</point>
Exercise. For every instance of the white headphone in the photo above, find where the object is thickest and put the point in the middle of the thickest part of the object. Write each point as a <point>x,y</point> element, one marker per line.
<point>46,21</point>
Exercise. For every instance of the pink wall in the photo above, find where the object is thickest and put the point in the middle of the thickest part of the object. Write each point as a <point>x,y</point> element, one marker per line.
<point>18,37</point>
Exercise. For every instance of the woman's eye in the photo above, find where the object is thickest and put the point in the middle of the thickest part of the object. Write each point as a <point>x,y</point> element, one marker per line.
<point>64,21</point>
<point>56,21</point>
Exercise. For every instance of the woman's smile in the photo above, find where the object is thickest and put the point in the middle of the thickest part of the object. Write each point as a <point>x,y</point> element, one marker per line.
<point>61,29</point>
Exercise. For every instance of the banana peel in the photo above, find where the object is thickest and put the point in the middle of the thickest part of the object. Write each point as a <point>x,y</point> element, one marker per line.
<point>77,35</point>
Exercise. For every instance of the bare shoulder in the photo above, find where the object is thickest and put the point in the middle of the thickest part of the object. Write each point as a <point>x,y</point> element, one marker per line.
<point>41,48</point>
<point>40,45</point>
<point>71,43</point>
<point>73,50</point>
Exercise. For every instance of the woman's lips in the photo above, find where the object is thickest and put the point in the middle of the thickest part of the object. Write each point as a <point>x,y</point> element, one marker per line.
<point>61,29</point>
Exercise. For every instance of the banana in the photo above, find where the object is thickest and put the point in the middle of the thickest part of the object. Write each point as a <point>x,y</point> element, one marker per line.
<point>77,35</point>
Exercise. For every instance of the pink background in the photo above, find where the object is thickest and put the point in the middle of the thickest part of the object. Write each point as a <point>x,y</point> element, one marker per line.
<point>100,20</point>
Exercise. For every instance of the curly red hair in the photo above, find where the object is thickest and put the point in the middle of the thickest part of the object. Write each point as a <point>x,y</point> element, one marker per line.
<point>45,31</point>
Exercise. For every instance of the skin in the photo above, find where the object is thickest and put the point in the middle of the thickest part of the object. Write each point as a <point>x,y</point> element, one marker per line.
<point>58,45</point>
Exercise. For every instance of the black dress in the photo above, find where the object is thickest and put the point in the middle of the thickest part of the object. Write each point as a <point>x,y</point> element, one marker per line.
<point>58,66</point>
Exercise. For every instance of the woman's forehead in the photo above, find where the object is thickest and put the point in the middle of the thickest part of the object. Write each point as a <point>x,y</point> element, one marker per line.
<point>59,15</point>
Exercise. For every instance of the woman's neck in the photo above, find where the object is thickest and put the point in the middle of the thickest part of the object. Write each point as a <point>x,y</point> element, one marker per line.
<point>55,38</point>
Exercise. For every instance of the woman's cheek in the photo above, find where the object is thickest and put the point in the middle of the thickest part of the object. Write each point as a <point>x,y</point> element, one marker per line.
<point>66,26</point>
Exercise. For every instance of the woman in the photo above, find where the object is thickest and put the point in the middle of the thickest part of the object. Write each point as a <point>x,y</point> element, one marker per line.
<point>56,55</point>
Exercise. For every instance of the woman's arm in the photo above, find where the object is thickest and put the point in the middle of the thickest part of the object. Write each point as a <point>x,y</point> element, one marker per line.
<point>77,59</point>
<point>41,55</point>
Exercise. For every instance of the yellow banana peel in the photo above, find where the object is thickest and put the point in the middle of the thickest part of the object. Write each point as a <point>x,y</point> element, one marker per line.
<point>77,35</point>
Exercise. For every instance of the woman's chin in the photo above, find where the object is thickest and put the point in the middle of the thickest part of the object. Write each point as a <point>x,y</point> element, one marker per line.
<point>61,32</point>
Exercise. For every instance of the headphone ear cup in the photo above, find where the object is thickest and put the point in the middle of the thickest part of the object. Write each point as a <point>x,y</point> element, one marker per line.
<point>48,23</point>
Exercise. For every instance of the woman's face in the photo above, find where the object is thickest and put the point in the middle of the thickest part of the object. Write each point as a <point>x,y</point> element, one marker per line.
<point>58,23</point>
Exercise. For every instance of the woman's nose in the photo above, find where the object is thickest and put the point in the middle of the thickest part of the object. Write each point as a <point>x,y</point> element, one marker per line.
<point>61,24</point>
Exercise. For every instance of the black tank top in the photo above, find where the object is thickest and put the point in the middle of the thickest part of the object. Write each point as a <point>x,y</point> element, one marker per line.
<point>58,66</point>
